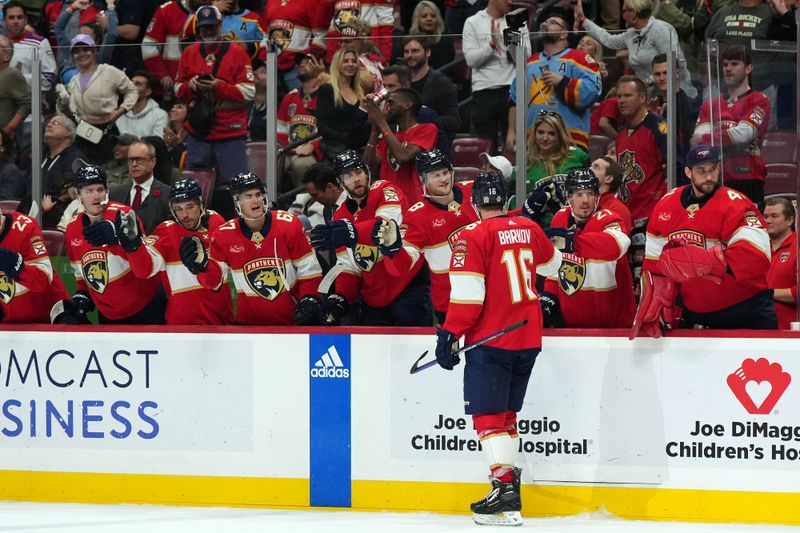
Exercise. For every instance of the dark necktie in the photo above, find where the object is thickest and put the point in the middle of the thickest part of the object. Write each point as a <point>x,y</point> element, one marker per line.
<point>137,197</point>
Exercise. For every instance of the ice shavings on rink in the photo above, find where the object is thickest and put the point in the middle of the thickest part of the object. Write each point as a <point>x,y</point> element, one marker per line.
<point>73,518</point>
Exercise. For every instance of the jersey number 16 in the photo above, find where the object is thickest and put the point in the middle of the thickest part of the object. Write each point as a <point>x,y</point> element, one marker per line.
<point>519,268</point>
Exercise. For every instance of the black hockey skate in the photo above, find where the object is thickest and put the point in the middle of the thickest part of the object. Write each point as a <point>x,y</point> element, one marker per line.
<point>501,507</point>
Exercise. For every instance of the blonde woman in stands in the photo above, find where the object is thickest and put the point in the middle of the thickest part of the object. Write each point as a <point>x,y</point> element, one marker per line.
<point>427,21</point>
<point>551,150</point>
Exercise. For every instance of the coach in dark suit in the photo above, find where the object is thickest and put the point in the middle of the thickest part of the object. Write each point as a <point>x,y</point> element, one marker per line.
<point>148,197</point>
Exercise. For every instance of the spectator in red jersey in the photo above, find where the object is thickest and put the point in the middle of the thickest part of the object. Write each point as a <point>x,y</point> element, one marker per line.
<point>394,152</point>
<point>610,175</point>
<point>740,127</point>
<point>779,214</point>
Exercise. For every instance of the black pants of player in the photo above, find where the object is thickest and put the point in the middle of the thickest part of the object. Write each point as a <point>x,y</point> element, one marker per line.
<point>412,307</point>
<point>496,380</point>
<point>490,114</point>
<point>757,312</point>
<point>152,313</point>
<point>753,189</point>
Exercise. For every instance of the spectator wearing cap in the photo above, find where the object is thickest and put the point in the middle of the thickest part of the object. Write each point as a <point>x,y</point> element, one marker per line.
<point>93,96</point>
<point>434,88</point>
<point>707,253</point>
<point>117,168</point>
<point>779,215</point>
<point>561,79</point>
<point>223,146</point>
<point>15,93</point>
<point>146,117</point>
<point>72,21</point>
<point>238,24</point>
<point>497,162</point>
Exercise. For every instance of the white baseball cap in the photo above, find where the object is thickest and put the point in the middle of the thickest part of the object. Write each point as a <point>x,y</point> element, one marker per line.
<point>500,163</point>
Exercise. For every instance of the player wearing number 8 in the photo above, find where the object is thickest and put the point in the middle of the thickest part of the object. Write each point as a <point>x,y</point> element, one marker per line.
<point>492,278</point>
<point>707,250</point>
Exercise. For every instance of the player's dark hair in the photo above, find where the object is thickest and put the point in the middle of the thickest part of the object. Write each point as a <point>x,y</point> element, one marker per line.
<point>788,208</point>
<point>658,59</point>
<point>615,171</point>
<point>321,174</point>
<point>641,88</point>
<point>402,72</point>
<point>424,42</point>
<point>13,3</point>
<point>410,96</point>
<point>146,75</point>
<point>737,52</point>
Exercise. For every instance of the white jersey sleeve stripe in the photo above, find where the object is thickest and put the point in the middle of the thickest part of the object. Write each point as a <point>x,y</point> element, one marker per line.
<point>467,287</point>
<point>551,267</point>
<point>757,237</point>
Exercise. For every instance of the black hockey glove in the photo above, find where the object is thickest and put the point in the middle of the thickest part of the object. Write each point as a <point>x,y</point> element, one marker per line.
<point>446,348</point>
<point>72,311</point>
<point>562,238</point>
<point>333,235</point>
<point>11,263</point>
<point>100,233</point>
<point>386,236</point>
<point>549,303</point>
<point>307,312</point>
<point>128,234</point>
<point>335,308</point>
<point>535,206</point>
<point>193,254</point>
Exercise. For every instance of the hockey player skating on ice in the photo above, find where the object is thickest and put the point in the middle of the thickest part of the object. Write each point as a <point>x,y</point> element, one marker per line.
<point>492,273</point>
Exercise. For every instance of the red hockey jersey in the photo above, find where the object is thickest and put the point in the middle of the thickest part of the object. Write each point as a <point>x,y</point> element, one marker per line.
<point>783,275</point>
<point>235,86</point>
<point>432,229</point>
<point>642,154</point>
<point>259,262</point>
<point>161,46</point>
<point>493,281</point>
<point>29,298</point>
<point>365,267</point>
<point>740,125</point>
<point>594,284</point>
<point>105,271</point>
<point>189,302</point>
<point>728,217</point>
<point>405,174</point>
<point>295,26</point>
<point>379,14</point>
<point>609,201</point>
<point>296,120</point>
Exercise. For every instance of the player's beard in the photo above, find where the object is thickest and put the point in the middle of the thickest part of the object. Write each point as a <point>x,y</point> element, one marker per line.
<point>550,38</point>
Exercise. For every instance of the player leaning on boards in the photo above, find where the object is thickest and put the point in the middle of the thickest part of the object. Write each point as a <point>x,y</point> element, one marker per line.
<point>268,255</point>
<point>189,302</point>
<point>387,299</point>
<point>706,257</point>
<point>102,243</point>
<point>433,226</point>
<point>492,273</point>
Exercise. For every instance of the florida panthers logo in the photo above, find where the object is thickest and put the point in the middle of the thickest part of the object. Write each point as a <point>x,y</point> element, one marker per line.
<point>302,127</point>
<point>7,289</point>
<point>571,274</point>
<point>264,277</point>
<point>280,33</point>
<point>365,256</point>
<point>452,239</point>
<point>95,270</point>
<point>632,173</point>
<point>345,11</point>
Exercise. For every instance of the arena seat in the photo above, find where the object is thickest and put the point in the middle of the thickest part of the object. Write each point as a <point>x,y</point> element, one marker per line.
<point>257,159</point>
<point>466,173</point>
<point>55,240</point>
<point>779,147</point>
<point>781,178</point>
<point>8,205</point>
<point>204,178</point>
<point>467,150</point>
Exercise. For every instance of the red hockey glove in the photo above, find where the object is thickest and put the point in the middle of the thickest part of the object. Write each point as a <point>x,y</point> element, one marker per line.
<point>683,262</point>
<point>656,307</point>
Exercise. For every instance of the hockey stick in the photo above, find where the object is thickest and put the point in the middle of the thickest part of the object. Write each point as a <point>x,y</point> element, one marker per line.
<point>416,367</point>
<point>330,277</point>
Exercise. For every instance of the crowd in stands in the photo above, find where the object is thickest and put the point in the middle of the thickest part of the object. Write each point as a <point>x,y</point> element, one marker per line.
<point>140,97</point>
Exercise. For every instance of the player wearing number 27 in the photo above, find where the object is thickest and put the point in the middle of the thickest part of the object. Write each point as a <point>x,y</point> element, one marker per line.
<point>492,277</point>
<point>706,249</point>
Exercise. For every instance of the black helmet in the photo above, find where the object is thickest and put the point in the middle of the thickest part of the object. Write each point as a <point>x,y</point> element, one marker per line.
<point>431,160</point>
<point>246,181</point>
<point>184,190</point>
<point>90,175</point>
<point>348,161</point>
<point>489,190</point>
<point>581,178</point>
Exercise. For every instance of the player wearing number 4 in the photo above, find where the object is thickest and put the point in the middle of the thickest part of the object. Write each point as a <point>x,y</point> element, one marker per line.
<point>268,256</point>
<point>492,274</point>
<point>433,225</point>
<point>707,254</point>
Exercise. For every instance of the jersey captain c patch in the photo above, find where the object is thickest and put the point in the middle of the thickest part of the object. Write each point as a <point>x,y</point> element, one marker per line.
<point>264,276</point>
<point>94,265</point>
<point>571,274</point>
